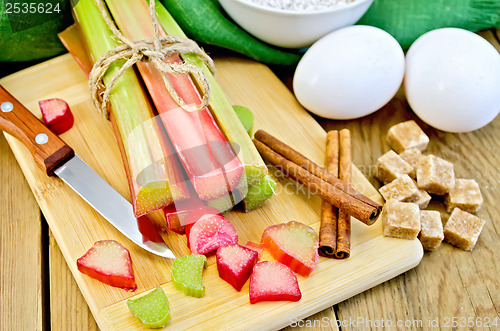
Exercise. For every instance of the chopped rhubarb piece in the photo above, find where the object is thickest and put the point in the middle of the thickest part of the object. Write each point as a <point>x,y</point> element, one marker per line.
<point>109,262</point>
<point>149,231</point>
<point>175,217</point>
<point>187,272</point>
<point>258,193</point>
<point>57,115</point>
<point>294,244</point>
<point>246,117</point>
<point>152,309</point>
<point>207,230</point>
<point>177,213</point>
<point>235,264</point>
<point>255,247</point>
<point>273,281</point>
<point>197,214</point>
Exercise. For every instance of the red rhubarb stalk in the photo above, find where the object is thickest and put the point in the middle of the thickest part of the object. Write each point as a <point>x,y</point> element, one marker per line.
<point>220,107</point>
<point>71,38</point>
<point>208,158</point>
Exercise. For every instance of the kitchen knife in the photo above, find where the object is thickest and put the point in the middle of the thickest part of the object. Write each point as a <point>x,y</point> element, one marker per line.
<point>56,158</point>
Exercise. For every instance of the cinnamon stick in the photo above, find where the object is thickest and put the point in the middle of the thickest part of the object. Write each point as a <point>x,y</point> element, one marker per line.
<point>328,227</point>
<point>299,159</point>
<point>366,213</point>
<point>344,219</point>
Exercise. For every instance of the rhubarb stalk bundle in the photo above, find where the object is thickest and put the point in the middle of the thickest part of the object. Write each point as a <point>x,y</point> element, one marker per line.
<point>212,144</point>
<point>205,153</point>
<point>155,176</point>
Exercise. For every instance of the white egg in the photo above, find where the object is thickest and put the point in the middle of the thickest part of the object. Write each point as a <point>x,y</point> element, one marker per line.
<point>452,80</point>
<point>349,73</point>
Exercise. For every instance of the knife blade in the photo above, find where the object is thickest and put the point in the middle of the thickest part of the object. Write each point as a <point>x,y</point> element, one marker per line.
<point>56,158</point>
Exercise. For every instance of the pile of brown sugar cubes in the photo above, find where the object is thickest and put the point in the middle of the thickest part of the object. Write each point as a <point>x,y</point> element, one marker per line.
<point>409,179</point>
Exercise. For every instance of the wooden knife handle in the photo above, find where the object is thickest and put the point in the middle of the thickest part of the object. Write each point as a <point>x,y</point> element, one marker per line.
<point>48,150</point>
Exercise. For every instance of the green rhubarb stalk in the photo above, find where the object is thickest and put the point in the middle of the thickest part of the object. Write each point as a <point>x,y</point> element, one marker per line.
<point>220,107</point>
<point>246,117</point>
<point>155,177</point>
<point>205,153</point>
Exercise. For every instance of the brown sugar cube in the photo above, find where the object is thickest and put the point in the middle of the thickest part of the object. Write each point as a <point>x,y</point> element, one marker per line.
<point>435,175</point>
<point>465,195</point>
<point>423,199</point>
<point>463,229</point>
<point>401,219</point>
<point>431,232</point>
<point>407,135</point>
<point>391,166</point>
<point>401,189</point>
<point>413,157</point>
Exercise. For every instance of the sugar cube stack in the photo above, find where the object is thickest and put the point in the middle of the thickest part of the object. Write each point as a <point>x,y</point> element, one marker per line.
<point>409,177</point>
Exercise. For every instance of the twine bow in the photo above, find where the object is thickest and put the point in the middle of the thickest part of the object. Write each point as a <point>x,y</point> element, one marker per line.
<point>152,50</point>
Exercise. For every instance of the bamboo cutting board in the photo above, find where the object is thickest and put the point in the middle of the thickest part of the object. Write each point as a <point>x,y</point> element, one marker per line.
<point>76,226</point>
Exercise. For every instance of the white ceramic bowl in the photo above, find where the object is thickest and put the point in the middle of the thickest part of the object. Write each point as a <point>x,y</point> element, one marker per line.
<point>290,28</point>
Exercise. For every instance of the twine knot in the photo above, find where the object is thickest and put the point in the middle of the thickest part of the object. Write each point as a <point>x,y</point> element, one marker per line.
<point>153,50</point>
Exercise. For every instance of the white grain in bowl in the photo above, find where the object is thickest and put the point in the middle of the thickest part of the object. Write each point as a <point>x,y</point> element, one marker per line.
<point>301,5</point>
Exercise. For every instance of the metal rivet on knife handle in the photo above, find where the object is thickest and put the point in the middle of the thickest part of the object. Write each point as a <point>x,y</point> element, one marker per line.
<point>6,106</point>
<point>41,138</point>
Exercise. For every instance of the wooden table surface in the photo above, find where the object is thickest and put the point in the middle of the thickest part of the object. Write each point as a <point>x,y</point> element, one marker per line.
<point>38,292</point>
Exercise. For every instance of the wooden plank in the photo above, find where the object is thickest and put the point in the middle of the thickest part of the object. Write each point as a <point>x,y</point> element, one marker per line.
<point>374,258</point>
<point>448,282</point>
<point>68,308</point>
<point>21,280</point>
